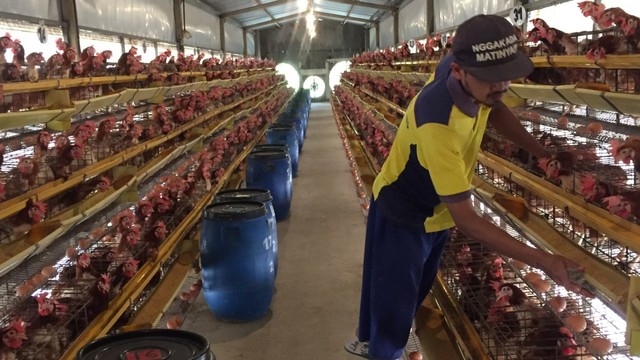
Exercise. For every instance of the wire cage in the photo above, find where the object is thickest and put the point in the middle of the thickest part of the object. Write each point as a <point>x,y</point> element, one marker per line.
<point>514,309</point>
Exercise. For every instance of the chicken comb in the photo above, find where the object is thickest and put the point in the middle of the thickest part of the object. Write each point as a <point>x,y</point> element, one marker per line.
<point>42,297</point>
<point>160,224</point>
<point>19,326</point>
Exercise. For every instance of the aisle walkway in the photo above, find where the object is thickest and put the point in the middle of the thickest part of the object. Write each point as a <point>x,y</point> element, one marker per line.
<point>314,310</point>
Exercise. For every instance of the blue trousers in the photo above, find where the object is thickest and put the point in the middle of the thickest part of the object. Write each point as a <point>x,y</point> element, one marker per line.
<point>400,266</point>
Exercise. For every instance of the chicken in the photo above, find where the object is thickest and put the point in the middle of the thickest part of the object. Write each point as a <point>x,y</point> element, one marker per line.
<point>123,274</point>
<point>123,220</point>
<point>592,9</point>
<point>22,178</point>
<point>33,60</point>
<point>625,205</point>
<point>81,270</point>
<point>153,239</point>
<point>549,341</point>
<point>63,161</point>
<point>80,193</point>
<point>5,43</point>
<point>13,336</point>
<point>103,138</point>
<point>609,44</point>
<point>128,240</point>
<point>144,209</point>
<point>21,223</point>
<point>627,151</point>
<point>13,71</point>
<point>612,16</point>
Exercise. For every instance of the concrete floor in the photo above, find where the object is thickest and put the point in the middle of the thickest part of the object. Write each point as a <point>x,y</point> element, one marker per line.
<point>315,308</point>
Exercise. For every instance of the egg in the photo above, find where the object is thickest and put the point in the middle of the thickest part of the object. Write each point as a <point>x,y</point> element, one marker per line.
<point>541,285</point>
<point>576,323</point>
<point>415,355</point>
<point>195,287</point>
<point>563,122</point>
<point>185,296</point>
<point>171,324</point>
<point>519,265</point>
<point>594,127</point>
<point>48,271</point>
<point>599,346</point>
<point>39,279</point>
<point>557,304</point>
<point>84,243</point>
<point>23,290</point>
<point>71,253</point>
<point>530,276</point>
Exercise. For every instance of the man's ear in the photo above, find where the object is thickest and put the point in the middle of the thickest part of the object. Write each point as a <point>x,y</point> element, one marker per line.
<point>457,71</point>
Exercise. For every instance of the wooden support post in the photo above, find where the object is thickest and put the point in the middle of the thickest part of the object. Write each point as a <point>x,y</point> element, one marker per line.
<point>223,45</point>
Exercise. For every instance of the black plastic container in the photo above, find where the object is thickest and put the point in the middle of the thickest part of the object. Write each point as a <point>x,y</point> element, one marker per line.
<point>149,344</point>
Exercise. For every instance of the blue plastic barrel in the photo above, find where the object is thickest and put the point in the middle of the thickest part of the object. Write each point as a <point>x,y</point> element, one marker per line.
<point>297,122</point>
<point>285,134</point>
<point>271,169</point>
<point>263,196</point>
<point>262,147</point>
<point>238,275</point>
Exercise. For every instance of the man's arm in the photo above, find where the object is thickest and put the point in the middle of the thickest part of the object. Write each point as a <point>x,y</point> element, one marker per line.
<point>481,230</point>
<point>505,121</point>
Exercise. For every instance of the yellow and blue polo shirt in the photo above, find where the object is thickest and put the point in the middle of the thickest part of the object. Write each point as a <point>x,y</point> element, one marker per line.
<point>434,154</point>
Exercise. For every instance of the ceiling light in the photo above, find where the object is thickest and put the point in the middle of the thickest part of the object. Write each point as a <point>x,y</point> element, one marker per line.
<point>302,5</point>
<point>310,18</point>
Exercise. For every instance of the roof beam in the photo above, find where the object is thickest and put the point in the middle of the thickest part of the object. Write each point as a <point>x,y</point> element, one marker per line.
<point>254,8</point>
<point>340,17</point>
<point>278,20</point>
<point>365,4</point>
<point>283,2</point>
<point>303,14</point>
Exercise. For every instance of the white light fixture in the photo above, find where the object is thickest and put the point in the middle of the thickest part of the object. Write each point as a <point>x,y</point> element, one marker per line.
<point>310,17</point>
<point>302,5</point>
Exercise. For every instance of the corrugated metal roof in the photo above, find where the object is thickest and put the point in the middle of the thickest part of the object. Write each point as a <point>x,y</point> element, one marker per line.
<point>249,13</point>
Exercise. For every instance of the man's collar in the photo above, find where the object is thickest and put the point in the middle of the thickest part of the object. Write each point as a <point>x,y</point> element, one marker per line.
<point>465,102</point>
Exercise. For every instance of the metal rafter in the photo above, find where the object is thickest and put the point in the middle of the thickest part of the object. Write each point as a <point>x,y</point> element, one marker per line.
<point>303,14</point>
<point>283,2</point>
<point>268,13</point>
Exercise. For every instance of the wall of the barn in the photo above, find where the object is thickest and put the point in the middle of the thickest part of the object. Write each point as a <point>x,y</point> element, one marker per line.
<point>292,44</point>
<point>152,19</point>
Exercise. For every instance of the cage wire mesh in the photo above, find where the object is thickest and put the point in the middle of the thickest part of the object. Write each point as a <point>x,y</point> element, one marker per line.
<point>525,324</point>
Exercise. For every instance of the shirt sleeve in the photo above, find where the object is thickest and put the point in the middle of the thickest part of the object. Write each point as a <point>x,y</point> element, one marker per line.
<point>442,156</point>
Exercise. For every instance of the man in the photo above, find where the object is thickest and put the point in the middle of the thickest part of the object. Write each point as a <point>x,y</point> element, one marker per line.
<point>424,187</point>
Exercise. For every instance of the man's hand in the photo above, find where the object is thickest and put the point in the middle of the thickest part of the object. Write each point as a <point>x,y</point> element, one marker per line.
<point>566,273</point>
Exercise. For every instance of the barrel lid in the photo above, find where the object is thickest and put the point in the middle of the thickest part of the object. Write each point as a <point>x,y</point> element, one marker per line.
<point>269,154</point>
<point>261,195</point>
<point>281,127</point>
<point>166,344</point>
<point>271,147</point>
<point>234,210</point>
